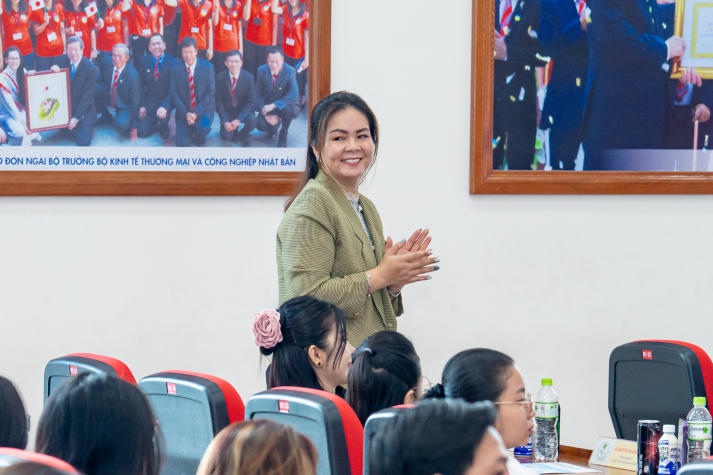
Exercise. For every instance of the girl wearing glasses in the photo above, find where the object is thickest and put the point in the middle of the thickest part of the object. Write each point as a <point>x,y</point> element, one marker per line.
<point>481,374</point>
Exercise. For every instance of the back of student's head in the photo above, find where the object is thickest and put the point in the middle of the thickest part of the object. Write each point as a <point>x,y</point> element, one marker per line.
<point>259,447</point>
<point>33,468</point>
<point>303,321</point>
<point>384,369</point>
<point>101,425</point>
<point>13,419</point>
<point>478,374</point>
<point>435,436</point>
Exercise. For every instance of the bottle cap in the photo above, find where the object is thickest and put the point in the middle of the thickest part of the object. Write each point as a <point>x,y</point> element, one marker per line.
<point>669,428</point>
<point>548,382</point>
<point>699,401</point>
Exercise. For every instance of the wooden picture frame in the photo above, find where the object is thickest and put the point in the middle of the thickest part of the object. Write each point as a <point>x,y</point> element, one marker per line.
<point>485,180</point>
<point>48,104</point>
<point>143,183</point>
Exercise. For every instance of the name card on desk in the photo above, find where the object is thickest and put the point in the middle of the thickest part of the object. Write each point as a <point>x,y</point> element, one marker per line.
<point>615,453</point>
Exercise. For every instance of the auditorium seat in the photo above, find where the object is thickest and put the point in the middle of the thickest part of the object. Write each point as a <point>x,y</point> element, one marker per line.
<point>656,379</point>
<point>58,370</point>
<point>191,408</point>
<point>374,424</point>
<point>324,417</point>
<point>9,456</point>
<point>700,467</point>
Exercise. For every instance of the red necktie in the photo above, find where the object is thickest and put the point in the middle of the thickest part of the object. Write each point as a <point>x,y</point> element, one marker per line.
<point>114,83</point>
<point>505,17</point>
<point>155,69</point>
<point>681,91</point>
<point>192,88</point>
<point>581,5</point>
<point>232,86</point>
<point>274,80</point>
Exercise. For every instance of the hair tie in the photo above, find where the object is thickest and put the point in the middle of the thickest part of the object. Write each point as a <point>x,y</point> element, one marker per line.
<point>267,330</point>
<point>362,349</point>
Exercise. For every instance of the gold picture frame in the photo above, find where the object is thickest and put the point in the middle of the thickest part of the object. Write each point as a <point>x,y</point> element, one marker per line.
<point>485,180</point>
<point>143,183</point>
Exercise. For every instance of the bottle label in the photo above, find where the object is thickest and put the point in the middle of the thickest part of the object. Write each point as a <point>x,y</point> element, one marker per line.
<point>699,430</point>
<point>546,410</point>
<point>669,456</point>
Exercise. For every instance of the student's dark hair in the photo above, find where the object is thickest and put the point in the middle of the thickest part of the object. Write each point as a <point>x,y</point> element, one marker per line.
<point>478,374</point>
<point>272,50</point>
<point>68,7</point>
<point>234,52</point>
<point>188,41</point>
<point>32,468</point>
<point>13,418</point>
<point>102,426</point>
<point>436,436</point>
<point>384,368</point>
<point>153,35</point>
<point>304,321</point>
<point>319,119</point>
<point>20,75</point>
<point>21,6</point>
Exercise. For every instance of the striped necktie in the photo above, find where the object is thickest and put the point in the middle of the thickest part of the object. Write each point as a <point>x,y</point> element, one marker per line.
<point>505,16</point>
<point>192,89</point>
<point>114,84</point>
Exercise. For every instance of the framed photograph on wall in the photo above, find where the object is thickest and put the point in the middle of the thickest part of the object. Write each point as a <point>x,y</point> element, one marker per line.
<point>689,173</point>
<point>48,105</point>
<point>114,164</point>
<point>694,23</point>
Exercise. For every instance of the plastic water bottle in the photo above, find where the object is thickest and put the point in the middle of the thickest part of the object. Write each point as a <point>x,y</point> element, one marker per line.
<point>698,441</point>
<point>669,453</point>
<point>545,443</point>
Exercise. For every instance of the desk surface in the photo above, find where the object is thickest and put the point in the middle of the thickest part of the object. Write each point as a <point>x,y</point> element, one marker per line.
<point>577,456</point>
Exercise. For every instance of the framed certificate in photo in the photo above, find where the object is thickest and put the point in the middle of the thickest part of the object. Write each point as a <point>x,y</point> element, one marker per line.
<point>694,23</point>
<point>48,104</point>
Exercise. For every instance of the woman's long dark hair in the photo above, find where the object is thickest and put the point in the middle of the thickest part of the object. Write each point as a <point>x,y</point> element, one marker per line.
<point>478,374</point>
<point>304,321</point>
<point>319,119</point>
<point>102,426</point>
<point>20,75</point>
<point>13,419</point>
<point>21,6</point>
<point>384,369</point>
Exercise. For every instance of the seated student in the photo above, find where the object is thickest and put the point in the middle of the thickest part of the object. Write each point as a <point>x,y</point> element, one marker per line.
<point>101,425</point>
<point>33,468</point>
<point>447,437</point>
<point>307,339</point>
<point>13,419</point>
<point>385,372</point>
<point>481,374</point>
<point>259,447</point>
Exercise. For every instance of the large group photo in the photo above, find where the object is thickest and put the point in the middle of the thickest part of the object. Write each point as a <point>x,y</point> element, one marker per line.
<point>154,73</point>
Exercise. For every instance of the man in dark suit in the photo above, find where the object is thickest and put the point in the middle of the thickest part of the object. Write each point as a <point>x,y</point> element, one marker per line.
<point>278,97</point>
<point>627,84</point>
<point>83,77</point>
<point>563,38</point>
<point>515,91</point>
<point>235,100</point>
<point>119,92</point>
<point>155,76</point>
<point>193,95</point>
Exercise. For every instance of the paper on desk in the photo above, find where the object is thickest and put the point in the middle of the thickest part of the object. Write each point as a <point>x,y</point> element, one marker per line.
<point>559,467</point>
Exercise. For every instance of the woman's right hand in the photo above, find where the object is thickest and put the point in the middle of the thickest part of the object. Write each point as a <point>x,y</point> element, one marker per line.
<point>397,269</point>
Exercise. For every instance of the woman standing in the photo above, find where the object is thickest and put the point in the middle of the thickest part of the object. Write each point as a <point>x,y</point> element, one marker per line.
<point>48,27</point>
<point>330,243</point>
<point>227,31</point>
<point>295,43</point>
<point>77,22</point>
<point>112,28</point>
<point>16,30</point>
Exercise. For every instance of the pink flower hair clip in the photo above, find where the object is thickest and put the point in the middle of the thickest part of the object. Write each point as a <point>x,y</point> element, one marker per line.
<point>266,328</point>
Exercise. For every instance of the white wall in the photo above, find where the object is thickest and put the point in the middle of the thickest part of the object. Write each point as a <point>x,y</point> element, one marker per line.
<point>173,282</point>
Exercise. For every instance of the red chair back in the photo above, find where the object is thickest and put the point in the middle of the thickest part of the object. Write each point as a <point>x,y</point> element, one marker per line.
<point>191,409</point>
<point>10,456</point>
<point>324,417</point>
<point>656,379</point>
<point>59,370</point>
